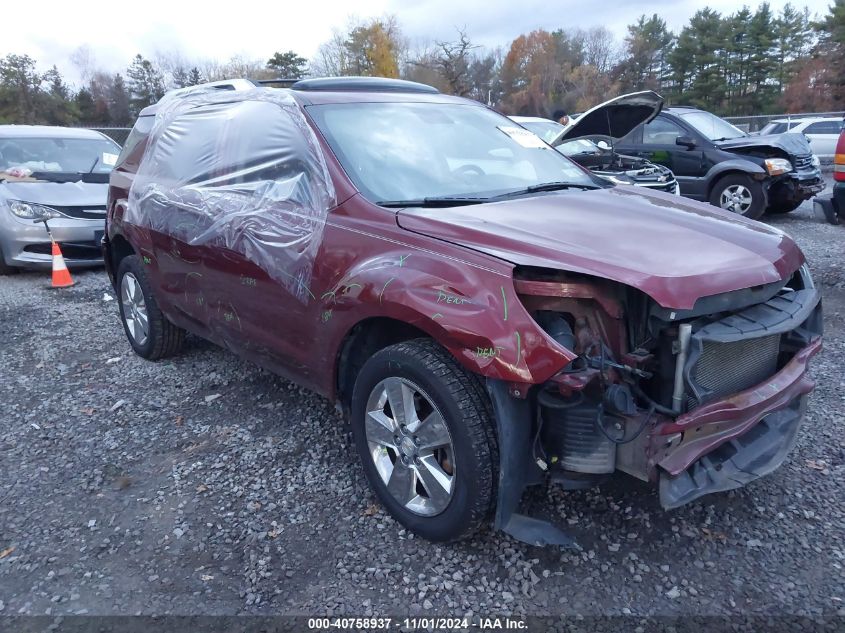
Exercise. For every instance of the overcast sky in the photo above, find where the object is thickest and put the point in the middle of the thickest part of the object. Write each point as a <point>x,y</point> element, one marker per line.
<point>51,30</point>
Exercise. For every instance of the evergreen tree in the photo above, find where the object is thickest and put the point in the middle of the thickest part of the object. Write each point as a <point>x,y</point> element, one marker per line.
<point>85,106</point>
<point>194,77</point>
<point>288,65</point>
<point>697,62</point>
<point>56,107</point>
<point>20,89</point>
<point>761,61</point>
<point>647,46</point>
<point>146,84</point>
<point>793,39</point>
<point>119,106</point>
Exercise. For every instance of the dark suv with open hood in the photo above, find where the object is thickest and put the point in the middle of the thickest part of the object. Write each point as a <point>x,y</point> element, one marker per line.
<point>716,162</point>
<point>591,139</point>
<point>488,314</point>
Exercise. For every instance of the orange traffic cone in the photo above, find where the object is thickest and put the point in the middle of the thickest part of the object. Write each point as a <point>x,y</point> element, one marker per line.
<point>61,275</point>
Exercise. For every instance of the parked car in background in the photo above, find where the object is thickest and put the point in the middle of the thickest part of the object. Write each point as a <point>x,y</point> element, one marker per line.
<point>589,140</point>
<point>58,174</point>
<point>822,132</point>
<point>718,163</point>
<point>487,314</point>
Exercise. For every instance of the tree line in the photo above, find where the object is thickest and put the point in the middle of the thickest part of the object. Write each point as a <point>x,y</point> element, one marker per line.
<point>744,63</point>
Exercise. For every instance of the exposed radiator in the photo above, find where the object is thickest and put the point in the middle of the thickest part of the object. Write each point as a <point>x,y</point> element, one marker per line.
<point>726,368</point>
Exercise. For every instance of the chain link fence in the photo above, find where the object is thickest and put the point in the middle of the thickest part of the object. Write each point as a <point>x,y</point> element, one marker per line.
<point>117,134</point>
<point>758,122</point>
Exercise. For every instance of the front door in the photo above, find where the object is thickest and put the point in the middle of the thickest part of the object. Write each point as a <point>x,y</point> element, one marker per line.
<point>656,141</point>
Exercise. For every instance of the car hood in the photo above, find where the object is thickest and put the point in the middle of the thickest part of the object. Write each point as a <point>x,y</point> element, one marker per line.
<point>615,118</point>
<point>792,143</point>
<point>674,250</point>
<point>52,194</point>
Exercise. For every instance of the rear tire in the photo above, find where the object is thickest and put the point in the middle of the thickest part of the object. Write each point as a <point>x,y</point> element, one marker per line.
<point>739,194</point>
<point>149,332</point>
<point>778,208</point>
<point>446,407</point>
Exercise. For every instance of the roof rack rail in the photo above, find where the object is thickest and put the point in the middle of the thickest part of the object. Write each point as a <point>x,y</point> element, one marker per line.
<point>278,80</point>
<point>361,84</point>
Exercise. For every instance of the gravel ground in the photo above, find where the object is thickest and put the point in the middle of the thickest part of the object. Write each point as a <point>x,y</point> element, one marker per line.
<point>203,484</point>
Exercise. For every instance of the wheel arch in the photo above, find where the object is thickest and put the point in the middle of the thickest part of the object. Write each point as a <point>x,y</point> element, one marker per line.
<point>733,167</point>
<point>364,339</point>
<point>119,249</point>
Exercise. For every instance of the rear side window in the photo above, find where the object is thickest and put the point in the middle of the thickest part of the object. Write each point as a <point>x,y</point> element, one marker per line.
<point>140,131</point>
<point>237,171</point>
<point>661,132</point>
<point>823,127</point>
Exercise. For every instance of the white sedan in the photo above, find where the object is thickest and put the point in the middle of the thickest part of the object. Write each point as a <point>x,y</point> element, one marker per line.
<point>822,132</point>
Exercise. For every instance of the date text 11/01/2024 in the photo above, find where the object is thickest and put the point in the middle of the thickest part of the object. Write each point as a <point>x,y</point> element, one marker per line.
<point>420,623</point>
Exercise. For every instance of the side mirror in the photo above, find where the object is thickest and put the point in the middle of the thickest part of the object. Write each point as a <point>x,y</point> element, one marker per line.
<point>685,141</point>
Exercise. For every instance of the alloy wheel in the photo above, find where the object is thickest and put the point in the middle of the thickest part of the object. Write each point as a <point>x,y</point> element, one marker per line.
<point>134,309</point>
<point>736,198</point>
<point>410,445</point>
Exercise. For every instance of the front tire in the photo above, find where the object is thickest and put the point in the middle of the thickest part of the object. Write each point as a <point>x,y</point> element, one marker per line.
<point>739,194</point>
<point>424,430</point>
<point>149,332</point>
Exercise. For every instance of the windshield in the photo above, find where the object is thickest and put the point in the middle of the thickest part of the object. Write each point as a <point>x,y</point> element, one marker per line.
<point>414,151</point>
<point>578,146</point>
<point>546,130</point>
<point>711,126</point>
<point>55,154</point>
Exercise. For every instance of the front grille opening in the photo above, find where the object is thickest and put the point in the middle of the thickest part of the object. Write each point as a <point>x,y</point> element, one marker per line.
<point>70,250</point>
<point>802,162</point>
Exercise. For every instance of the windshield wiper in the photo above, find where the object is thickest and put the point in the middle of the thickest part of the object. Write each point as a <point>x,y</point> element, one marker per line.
<point>455,201</point>
<point>443,201</point>
<point>546,186</point>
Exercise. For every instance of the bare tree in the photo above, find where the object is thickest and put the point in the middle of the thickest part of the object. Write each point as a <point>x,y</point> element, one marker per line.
<point>451,60</point>
<point>83,60</point>
<point>601,49</point>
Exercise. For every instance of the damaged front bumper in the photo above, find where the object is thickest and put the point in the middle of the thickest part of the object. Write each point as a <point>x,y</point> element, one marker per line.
<point>738,384</point>
<point>729,443</point>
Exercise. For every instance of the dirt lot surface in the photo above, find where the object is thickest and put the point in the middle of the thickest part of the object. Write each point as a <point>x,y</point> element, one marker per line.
<point>204,485</point>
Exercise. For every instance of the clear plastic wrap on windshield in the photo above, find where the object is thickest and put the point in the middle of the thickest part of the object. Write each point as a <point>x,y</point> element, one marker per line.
<point>241,171</point>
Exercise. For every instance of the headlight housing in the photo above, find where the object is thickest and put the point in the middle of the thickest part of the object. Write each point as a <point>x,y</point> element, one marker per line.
<point>30,211</point>
<point>778,166</point>
<point>815,161</point>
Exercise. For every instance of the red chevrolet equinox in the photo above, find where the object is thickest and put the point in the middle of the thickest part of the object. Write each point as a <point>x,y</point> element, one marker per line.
<point>489,315</point>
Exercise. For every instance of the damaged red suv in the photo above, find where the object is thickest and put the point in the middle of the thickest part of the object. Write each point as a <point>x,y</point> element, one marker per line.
<point>489,315</point>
